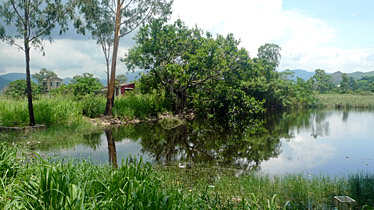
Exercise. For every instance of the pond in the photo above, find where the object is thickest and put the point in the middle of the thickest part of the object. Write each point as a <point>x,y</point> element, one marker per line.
<point>335,142</point>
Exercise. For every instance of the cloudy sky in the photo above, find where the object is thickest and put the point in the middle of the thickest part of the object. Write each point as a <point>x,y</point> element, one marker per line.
<point>334,35</point>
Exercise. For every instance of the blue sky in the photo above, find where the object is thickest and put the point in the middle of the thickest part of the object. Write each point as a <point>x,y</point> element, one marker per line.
<point>334,35</point>
<point>353,21</point>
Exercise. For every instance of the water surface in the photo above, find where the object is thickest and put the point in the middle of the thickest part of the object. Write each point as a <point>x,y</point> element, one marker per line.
<point>335,142</point>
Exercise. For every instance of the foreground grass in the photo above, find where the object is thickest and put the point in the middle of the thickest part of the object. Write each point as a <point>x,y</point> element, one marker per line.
<point>42,184</point>
<point>346,101</point>
<point>291,191</point>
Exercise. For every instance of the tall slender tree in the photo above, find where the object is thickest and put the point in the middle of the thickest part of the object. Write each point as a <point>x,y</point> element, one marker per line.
<point>117,18</point>
<point>25,23</point>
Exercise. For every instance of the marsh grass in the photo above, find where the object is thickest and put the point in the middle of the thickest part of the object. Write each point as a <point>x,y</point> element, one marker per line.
<point>47,110</point>
<point>138,105</point>
<point>55,110</point>
<point>346,101</point>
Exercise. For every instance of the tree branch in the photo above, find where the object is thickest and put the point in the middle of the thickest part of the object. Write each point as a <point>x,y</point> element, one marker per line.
<point>50,25</point>
<point>15,9</point>
<point>131,18</point>
<point>128,4</point>
<point>121,35</point>
<point>202,81</point>
<point>12,42</point>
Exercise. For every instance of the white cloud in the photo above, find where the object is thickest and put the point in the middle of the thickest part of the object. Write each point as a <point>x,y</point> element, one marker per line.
<point>65,57</point>
<point>304,39</point>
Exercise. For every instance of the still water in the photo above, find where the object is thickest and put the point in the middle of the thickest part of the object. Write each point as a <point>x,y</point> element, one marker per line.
<point>335,142</point>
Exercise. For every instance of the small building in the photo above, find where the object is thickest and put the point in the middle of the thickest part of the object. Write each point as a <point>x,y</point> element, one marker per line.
<point>120,89</point>
<point>51,83</point>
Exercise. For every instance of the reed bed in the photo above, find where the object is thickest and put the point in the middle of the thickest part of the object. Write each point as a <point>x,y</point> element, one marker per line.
<point>346,101</point>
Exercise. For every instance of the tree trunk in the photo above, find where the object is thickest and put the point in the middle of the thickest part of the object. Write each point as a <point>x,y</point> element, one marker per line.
<point>110,98</point>
<point>111,148</point>
<point>28,82</point>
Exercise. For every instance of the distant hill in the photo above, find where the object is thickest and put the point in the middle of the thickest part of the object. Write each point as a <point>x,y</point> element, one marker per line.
<point>303,74</point>
<point>3,83</point>
<point>337,76</point>
<point>16,76</point>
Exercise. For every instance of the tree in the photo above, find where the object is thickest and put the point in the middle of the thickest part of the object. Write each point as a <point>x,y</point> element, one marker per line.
<point>270,52</point>
<point>18,89</point>
<point>121,78</point>
<point>124,16</point>
<point>344,84</point>
<point>43,74</point>
<point>31,21</point>
<point>321,81</point>
<point>85,84</point>
<point>179,59</point>
<point>270,56</point>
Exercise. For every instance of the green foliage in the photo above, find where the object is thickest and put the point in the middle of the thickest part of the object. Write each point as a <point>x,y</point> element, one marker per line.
<point>321,82</point>
<point>270,52</point>
<point>212,76</point>
<point>43,74</point>
<point>121,78</point>
<point>344,85</point>
<point>93,105</point>
<point>138,105</point>
<point>18,89</point>
<point>85,84</point>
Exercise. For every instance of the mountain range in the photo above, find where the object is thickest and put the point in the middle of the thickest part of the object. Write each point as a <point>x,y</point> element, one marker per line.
<point>5,79</point>
<point>336,76</point>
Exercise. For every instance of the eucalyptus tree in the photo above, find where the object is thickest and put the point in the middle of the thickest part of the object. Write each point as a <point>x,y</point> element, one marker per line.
<point>269,53</point>
<point>25,23</point>
<point>109,20</point>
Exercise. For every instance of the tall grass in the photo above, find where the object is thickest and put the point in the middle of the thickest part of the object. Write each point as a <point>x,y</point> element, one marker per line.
<point>346,101</point>
<point>138,105</point>
<point>52,110</point>
<point>48,111</point>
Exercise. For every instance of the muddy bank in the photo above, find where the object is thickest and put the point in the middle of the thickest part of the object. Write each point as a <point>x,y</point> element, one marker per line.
<point>105,121</point>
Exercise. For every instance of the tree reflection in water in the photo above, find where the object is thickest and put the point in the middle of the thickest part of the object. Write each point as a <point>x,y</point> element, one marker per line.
<point>200,142</point>
<point>111,148</point>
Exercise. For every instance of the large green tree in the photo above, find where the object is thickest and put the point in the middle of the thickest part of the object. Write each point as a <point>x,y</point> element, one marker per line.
<point>321,81</point>
<point>118,18</point>
<point>179,59</point>
<point>27,23</point>
<point>43,74</point>
<point>269,55</point>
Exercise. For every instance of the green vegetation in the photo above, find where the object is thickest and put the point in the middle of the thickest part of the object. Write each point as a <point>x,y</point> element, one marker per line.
<point>346,101</point>
<point>49,111</point>
<point>212,76</point>
<point>72,184</point>
<point>18,89</point>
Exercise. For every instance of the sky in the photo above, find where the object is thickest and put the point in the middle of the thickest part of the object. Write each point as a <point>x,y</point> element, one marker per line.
<point>334,35</point>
